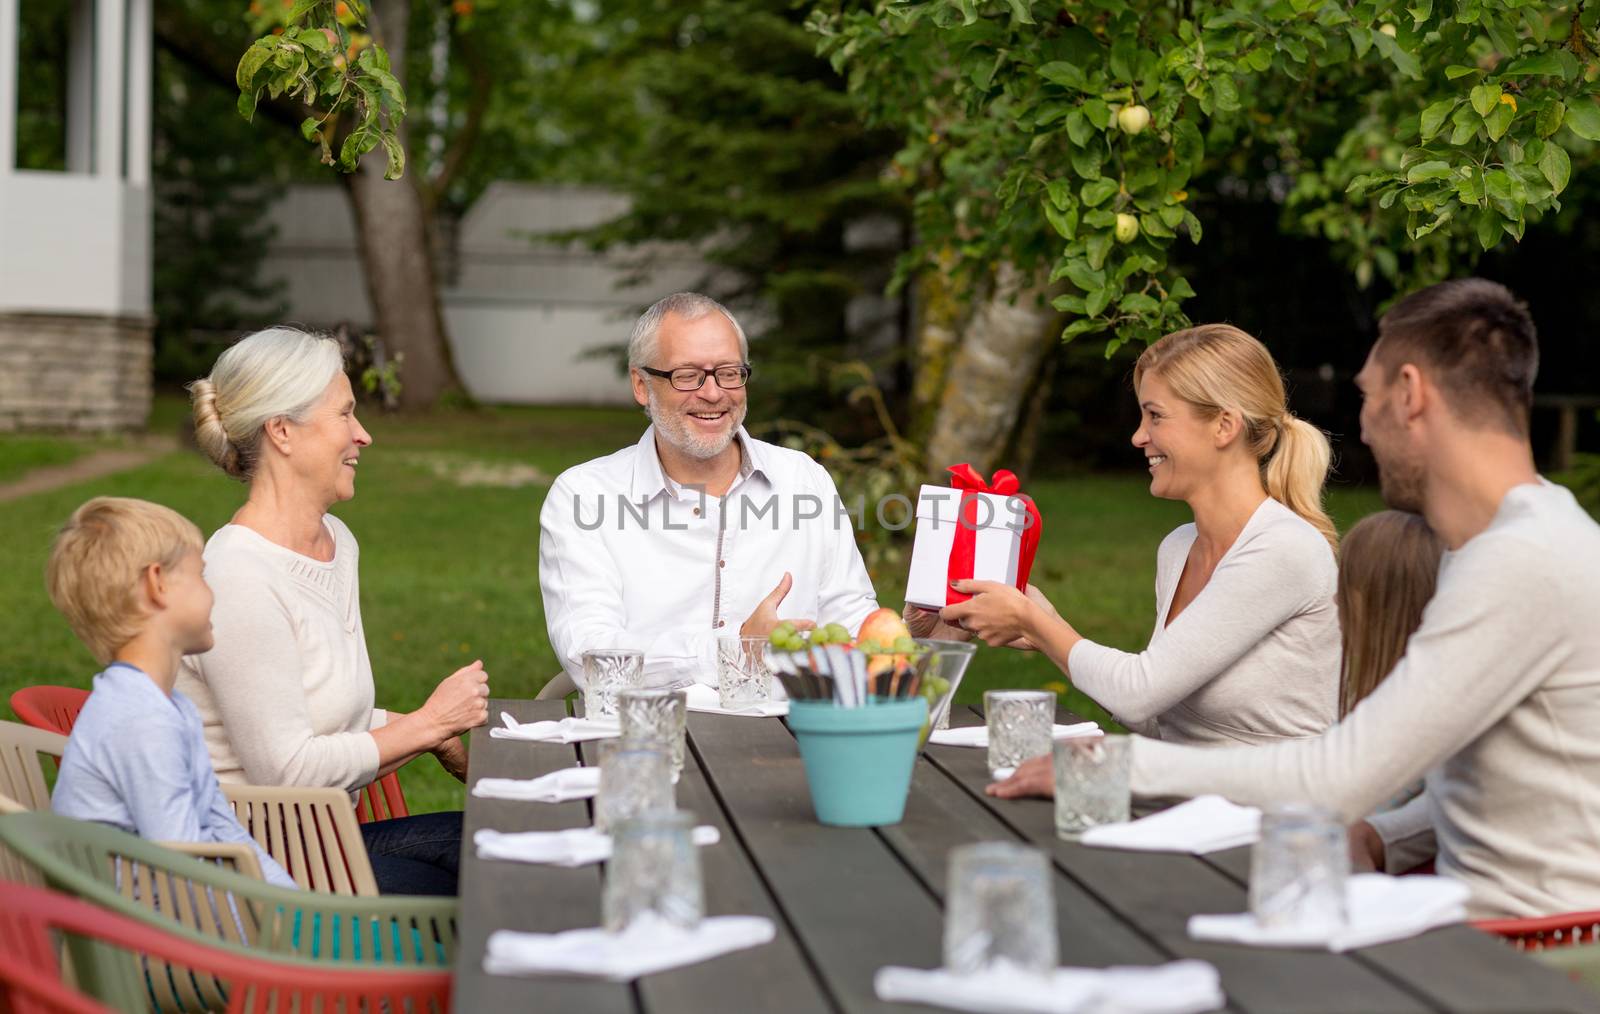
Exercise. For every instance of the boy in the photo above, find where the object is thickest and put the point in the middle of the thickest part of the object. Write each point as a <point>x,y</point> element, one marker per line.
<point>127,576</point>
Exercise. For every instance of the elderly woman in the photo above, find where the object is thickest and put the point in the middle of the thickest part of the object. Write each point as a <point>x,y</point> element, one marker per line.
<point>286,694</point>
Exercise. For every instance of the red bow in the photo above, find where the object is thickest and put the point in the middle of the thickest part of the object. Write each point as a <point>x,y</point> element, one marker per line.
<point>971,482</point>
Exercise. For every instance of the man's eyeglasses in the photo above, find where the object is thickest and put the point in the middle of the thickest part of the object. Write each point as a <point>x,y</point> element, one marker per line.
<point>690,378</point>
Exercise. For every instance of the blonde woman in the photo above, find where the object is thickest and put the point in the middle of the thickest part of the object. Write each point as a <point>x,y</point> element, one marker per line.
<point>286,695</point>
<point>1246,640</point>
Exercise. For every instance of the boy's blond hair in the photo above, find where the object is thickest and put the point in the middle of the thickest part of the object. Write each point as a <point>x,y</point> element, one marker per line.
<point>99,558</point>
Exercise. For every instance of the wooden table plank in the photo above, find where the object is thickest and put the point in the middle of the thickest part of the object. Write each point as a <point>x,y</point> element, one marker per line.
<point>851,901</point>
<point>1457,967</point>
<point>1159,891</point>
<point>525,896</point>
<point>775,977</point>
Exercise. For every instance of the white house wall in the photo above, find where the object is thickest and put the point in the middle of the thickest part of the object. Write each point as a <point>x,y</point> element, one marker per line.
<point>522,315</point>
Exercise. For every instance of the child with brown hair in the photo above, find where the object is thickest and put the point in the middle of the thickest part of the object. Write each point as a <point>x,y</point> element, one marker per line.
<point>1388,566</point>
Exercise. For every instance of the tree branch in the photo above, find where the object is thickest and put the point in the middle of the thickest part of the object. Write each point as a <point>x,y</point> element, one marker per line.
<point>202,51</point>
<point>466,138</point>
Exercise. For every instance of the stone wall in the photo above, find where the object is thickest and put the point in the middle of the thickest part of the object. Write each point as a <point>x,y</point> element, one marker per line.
<point>74,372</point>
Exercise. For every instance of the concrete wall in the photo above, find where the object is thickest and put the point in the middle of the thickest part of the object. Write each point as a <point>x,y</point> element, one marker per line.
<point>524,316</point>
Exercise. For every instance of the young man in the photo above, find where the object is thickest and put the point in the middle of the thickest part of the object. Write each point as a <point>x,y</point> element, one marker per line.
<point>1498,695</point>
<point>127,576</point>
<point>698,530</point>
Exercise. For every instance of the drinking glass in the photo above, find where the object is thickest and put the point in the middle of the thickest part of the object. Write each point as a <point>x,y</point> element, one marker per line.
<point>1298,869</point>
<point>605,671</point>
<point>654,868</point>
<point>1019,725</point>
<point>743,677</point>
<point>949,662</point>
<point>1091,783</point>
<point>633,780</point>
<point>655,718</point>
<point>1001,909</point>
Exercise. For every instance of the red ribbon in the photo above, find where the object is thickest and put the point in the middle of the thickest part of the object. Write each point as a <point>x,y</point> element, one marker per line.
<point>962,553</point>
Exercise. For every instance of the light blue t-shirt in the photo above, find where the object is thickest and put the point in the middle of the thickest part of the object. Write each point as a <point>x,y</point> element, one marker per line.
<point>137,760</point>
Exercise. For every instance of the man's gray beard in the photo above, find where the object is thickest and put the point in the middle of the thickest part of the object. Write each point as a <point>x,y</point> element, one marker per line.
<point>675,430</point>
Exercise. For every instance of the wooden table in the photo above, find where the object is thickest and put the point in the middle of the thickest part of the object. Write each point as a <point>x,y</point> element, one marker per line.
<point>848,901</point>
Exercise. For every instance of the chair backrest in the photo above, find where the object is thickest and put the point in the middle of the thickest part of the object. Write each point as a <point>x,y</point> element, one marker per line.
<point>192,898</point>
<point>29,917</point>
<point>48,707</point>
<point>21,775</point>
<point>312,833</point>
<point>381,800</point>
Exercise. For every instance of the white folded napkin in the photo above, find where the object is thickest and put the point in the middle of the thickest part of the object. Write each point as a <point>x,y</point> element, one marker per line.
<point>555,787</point>
<point>568,730</point>
<point>1180,987</point>
<point>578,846</point>
<point>1203,824</point>
<point>706,699</point>
<point>649,945</point>
<point>978,735</point>
<point>1379,909</point>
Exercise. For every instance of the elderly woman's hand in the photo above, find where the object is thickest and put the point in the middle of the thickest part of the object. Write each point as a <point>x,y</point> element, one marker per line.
<point>460,702</point>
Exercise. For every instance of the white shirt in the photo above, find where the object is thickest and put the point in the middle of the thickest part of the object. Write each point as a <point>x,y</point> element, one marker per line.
<point>1497,699</point>
<point>630,559</point>
<point>1253,659</point>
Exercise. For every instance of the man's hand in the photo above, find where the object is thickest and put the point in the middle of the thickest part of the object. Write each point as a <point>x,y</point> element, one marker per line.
<point>925,623</point>
<point>1366,848</point>
<point>765,617</point>
<point>1033,777</point>
<point>452,754</point>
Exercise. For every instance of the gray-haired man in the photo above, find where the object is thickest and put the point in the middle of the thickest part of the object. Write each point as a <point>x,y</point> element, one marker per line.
<point>698,530</point>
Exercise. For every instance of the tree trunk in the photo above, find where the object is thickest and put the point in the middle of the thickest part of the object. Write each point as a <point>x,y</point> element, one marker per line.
<point>994,371</point>
<point>1023,446</point>
<point>396,251</point>
<point>934,341</point>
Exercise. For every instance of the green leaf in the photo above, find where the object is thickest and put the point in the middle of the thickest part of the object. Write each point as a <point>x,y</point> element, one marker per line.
<point>1064,225</point>
<point>1067,304</point>
<point>1060,72</point>
<point>1499,121</point>
<point>1444,217</point>
<point>308,128</point>
<point>1021,12</point>
<point>1259,59</point>
<point>1226,93</point>
<point>1583,119</point>
<point>1060,193</point>
<point>1098,113</point>
<point>1124,56</point>
<point>1465,125</point>
<point>1433,117</point>
<point>1096,192</point>
<point>1079,326</point>
<point>1083,276</point>
<point>391,89</point>
<point>247,104</point>
<point>1556,167</point>
<point>1432,170</point>
<point>1488,226</point>
<point>1098,246</point>
<point>1470,187</point>
<point>1360,38</point>
<point>1404,61</point>
<point>360,141</point>
<point>1550,118</point>
<point>300,9</point>
<point>1484,98</point>
<point>1180,289</point>
<point>1456,70</point>
<point>1138,303</point>
<point>1421,11</point>
<point>1097,301</point>
<point>1172,215</point>
<point>1193,225</point>
<point>1151,225</point>
<point>397,155</point>
<point>252,61</point>
<point>1086,162</point>
<point>314,40</point>
<point>1079,128</point>
<point>1538,64</point>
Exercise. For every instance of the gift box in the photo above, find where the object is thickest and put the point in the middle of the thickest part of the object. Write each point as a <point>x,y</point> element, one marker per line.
<point>987,531</point>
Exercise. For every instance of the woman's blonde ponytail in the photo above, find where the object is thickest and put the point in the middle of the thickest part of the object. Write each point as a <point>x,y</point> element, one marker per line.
<point>1295,470</point>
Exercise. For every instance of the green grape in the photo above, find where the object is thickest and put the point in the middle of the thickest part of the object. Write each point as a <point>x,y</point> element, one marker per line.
<point>938,684</point>
<point>903,645</point>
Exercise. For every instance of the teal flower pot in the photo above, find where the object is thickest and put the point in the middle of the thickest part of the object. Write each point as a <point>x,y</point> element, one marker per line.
<point>858,760</point>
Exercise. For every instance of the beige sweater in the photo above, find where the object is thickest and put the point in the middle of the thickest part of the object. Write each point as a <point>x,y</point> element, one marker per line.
<point>1253,659</point>
<point>286,694</point>
<point>1497,701</point>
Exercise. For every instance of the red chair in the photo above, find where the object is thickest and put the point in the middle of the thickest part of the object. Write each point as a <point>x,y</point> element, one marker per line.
<point>54,709</point>
<point>1545,932</point>
<point>30,974</point>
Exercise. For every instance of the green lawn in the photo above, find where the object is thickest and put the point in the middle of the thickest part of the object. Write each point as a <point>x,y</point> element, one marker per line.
<point>22,454</point>
<point>450,566</point>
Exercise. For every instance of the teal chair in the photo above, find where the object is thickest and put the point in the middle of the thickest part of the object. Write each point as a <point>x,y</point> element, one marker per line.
<point>191,898</point>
